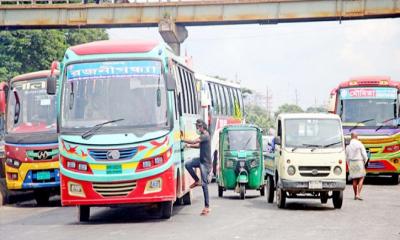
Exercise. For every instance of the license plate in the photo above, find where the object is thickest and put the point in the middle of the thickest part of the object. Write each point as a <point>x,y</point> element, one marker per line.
<point>315,185</point>
<point>43,175</point>
<point>114,169</point>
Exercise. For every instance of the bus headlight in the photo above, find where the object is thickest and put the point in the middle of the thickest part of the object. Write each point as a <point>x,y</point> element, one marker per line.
<point>291,170</point>
<point>337,170</point>
<point>13,163</point>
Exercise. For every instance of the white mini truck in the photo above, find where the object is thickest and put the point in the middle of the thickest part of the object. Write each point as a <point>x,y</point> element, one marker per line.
<point>306,159</point>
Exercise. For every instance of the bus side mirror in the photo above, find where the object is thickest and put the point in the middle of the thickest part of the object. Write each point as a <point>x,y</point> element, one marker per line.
<point>277,140</point>
<point>171,84</point>
<point>51,85</point>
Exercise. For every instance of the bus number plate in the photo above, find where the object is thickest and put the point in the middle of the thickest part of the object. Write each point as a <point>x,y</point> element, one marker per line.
<point>45,175</point>
<point>114,169</point>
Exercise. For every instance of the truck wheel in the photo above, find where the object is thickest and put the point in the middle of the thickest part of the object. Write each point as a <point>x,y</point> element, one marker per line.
<point>242,191</point>
<point>270,189</point>
<point>42,197</point>
<point>262,190</point>
<point>280,198</point>
<point>337,198</point>
<point>324,197</point>
<point>187,198</point>
<point>395,179</point>
<point>83,213</point>
<point>166,210</point>
<point>220,191</point>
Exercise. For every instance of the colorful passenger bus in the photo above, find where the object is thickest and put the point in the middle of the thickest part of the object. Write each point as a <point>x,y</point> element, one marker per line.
<point>31,138</point>
<point>222,104</point>
<point>123,109</point>
<point>369,106</point>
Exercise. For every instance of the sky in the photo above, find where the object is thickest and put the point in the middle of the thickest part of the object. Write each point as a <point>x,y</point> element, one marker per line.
<point>309,59</point>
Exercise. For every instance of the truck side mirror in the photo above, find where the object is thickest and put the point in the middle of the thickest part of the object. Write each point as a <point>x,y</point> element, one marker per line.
<point>277,140</point>
<point>171,84</point>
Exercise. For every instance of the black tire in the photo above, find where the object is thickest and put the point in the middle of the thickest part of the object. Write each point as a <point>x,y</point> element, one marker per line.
<point>166,210</point>
<point>42,197</point>
<point>83,213</point>
<point>348,181</point>
<point>262,190</point>
<point>242,191</point>
<point>395,179</point>
<point>220,191</point>
<point>280,198</point>
<point>187,198</point>
<point>270,189</point>
<point>337,199</point>
<point>3,192</point>
<point>324,197</point>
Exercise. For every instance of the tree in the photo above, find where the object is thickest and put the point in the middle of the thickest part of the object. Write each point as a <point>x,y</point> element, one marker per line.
<point>288,108</point>
<point>25,51</point>
<point>246,92</point>
<point>258,116</point>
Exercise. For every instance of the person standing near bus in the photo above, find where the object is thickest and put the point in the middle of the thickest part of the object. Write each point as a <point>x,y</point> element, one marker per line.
<point>356,156</point>
<point>204,162</point>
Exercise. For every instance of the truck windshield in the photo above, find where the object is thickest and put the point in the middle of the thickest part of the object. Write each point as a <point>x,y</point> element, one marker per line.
<point>97,92</point>
<point>242,140</point>
<point>377,104</point>
<point>313,133</point>
<point>30,109</point>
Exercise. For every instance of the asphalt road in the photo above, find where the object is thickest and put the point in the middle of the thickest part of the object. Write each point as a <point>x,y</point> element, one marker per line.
<point>377,217</point>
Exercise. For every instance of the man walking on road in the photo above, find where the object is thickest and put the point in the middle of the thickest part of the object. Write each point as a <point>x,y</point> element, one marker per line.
<point>357,157</point>
<point>203,162</point>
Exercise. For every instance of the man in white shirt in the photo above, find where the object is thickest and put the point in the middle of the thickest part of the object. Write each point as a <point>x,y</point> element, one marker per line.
<point>356,156</point>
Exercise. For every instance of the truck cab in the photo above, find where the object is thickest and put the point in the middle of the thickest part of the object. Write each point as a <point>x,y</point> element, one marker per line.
<point>307,159</point>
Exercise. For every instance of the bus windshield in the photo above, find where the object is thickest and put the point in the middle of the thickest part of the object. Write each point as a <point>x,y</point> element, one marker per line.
<point>377,108</point>
<point>243,140</point>
<point>313,133</point>
<point>97,92</point>
<point>30,109</point>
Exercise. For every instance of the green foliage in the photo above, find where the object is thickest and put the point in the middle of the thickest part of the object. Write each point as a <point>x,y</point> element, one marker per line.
<point>26,51</point>
<point>259,116</point>
<point>288,108</point>
<point>246,92</point>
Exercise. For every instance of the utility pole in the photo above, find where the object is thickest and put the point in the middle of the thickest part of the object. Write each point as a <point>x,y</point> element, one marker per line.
<point>268,102</point>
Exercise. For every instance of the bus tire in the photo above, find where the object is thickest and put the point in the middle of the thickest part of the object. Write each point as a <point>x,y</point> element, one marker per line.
<point>187,198</point>
<point>270,189</point>
<point>280,198</point>
<point>166,210</point>
<point>337,199</point>
<point>83,213</point>
<point>395,179</point>
<point>41,197</point>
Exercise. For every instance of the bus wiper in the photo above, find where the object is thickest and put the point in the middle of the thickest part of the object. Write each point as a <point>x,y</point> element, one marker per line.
<point>385,121</point>
<point>364,121</point>
<point>331,144</point>
<point>88,134</point>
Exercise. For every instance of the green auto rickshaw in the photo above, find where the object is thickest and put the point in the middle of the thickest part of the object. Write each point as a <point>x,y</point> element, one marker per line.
<point>241,164</point>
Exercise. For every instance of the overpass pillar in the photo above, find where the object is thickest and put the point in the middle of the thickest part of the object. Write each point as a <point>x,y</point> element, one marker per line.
<point>172,34</point>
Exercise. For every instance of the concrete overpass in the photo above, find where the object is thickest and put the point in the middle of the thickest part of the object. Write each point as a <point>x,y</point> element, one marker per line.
<point>172,17</point>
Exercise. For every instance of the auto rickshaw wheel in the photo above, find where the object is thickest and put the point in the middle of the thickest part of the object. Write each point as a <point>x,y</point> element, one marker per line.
<point>242,190</point>
<point>270,189</point>
<point>280,198</point>
<point>324,197</point>
<point>83,213</point>
<point>220,191</point>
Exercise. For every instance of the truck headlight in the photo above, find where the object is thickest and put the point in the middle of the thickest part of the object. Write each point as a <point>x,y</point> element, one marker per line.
<point>337,170</point>
<point>291,170</point>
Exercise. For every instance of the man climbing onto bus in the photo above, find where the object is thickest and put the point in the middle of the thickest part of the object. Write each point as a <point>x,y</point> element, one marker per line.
<point>203,162</point>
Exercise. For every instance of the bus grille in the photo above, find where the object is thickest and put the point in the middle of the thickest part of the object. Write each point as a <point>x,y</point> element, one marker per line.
<point>126,153</point>
<point>114,189</point>
<point>314,171</point>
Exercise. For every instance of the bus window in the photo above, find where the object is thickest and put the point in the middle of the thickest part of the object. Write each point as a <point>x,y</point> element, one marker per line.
<point>183,90</point>
<point>223,100</point>
<point>218,107</point>
<point>190,90</point>
<point>212,96</point>
<point>228,101</point>
<point>232,98</point>
<point>194,92</point>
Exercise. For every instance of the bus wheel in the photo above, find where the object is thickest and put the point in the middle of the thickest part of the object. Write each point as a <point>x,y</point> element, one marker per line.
<point>83,213</point>
<point>187,198</point>
<point>324,197</point>
<point>395,179</point>
<point>242,190</point>
<point>270,189</point>
<point>41,197</point>
<point>166,210</point>
<point>220,191</point>
<point>280,198</point>
<point>337,198</point>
